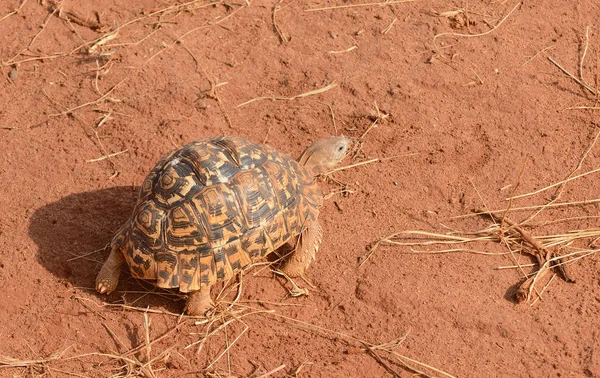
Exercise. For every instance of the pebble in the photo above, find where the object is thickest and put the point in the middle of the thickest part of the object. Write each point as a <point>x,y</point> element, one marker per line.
<point>13,74</point>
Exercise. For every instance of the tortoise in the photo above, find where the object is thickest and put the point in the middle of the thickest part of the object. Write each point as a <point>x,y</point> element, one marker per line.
<point>209,209</point>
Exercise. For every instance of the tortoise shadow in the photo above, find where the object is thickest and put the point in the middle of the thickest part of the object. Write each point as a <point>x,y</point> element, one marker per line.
<point>72,233</point>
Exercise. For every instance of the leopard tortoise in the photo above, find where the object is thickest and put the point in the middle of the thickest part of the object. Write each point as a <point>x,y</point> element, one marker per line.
<point>214,206</point>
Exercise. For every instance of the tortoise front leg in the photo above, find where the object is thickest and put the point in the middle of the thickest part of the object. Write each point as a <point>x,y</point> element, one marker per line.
<point>199,302</point>
<point>305,252</point>
<point>108,278</point>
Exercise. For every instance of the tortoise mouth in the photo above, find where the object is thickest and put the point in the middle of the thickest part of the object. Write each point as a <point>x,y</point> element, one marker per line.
<point>342,149</point>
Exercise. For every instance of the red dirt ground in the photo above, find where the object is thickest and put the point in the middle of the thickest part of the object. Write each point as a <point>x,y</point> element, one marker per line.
<point>465,114</point>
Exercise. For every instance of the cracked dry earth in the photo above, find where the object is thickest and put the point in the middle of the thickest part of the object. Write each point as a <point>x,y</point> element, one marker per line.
<point>462,95</point>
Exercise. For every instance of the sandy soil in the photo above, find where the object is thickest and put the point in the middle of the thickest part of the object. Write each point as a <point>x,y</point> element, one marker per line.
<point>470,120</point>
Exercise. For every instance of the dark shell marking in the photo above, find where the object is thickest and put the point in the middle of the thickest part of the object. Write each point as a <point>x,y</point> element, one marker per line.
<point>212,207</point>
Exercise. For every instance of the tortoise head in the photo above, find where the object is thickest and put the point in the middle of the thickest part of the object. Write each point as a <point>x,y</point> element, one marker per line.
<point>324,154</point>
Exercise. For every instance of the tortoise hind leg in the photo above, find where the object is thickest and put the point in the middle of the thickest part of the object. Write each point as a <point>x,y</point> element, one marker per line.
<point>306,249</point>
<point>108,278</point>
<point>198,302</point>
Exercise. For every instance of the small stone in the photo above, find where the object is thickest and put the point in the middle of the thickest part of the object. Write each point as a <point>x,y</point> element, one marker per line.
<point>395,182</point>
<point>13,74</point>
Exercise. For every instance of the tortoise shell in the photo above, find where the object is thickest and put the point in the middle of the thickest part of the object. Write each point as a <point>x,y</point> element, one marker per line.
<point>212,207</point>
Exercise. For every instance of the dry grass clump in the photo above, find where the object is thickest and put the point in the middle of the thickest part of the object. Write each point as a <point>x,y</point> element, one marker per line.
<point>554,253</point>
<point>227,323</point>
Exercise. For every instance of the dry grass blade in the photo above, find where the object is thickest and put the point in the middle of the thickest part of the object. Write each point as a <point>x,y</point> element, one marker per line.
<point>533,207</point>
<point>570,177</point>
<point>107,156</point>
<point>191,5</point>
<point>583,108</point>
<point>147,337</point>
<point>89,253</point>
<point>516,240</point>
<point>120,343</point>
<point>209,333</point>
<point>100,99</point>
<point>104,40</point>
<point>332,114</point>
<point>6,361</point>
<point>44,57</point>
<point>407,362</point>
<point>479,34</point>
<point>352,48</point>
<point>554,185</point>
<point>54,11</point>
<point>72,17</point>
<point>515,266</point>
<point>193,30</point>
<point>585,49</point>
<point>389,27</point>
<point>152,342</point>
<point>373,353</point>
<point>584,85</point>
<point>382,4</point>
<point>430,238</point>
<point>269,373</point>
<point>537,54</point>
<point>300,367</point>
<point>354,165</point>
<point>367,162</point>
<point>282,37</point>
<point>126,307</point>
<point>302,95</point>
<point>455,250</point>
<point>226,350</point>
<point>15,11</point>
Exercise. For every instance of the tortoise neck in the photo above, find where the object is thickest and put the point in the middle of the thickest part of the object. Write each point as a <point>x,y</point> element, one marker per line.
<point>309,160</point>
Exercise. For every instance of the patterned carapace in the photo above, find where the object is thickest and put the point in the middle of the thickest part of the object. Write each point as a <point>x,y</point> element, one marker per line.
<point>212,207</point>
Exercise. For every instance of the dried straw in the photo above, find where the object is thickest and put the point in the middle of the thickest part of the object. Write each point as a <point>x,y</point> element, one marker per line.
<point>302,95</point>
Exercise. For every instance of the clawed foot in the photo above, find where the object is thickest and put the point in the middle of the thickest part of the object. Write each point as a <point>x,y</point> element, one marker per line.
<point>296,291</point>
<point>107,280</point>
<point>199,303</point>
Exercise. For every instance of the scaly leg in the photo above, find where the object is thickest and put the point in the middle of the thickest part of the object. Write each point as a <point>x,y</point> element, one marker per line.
<point>199,301</point>
<point>108,278</point>
<point>306,249</point>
